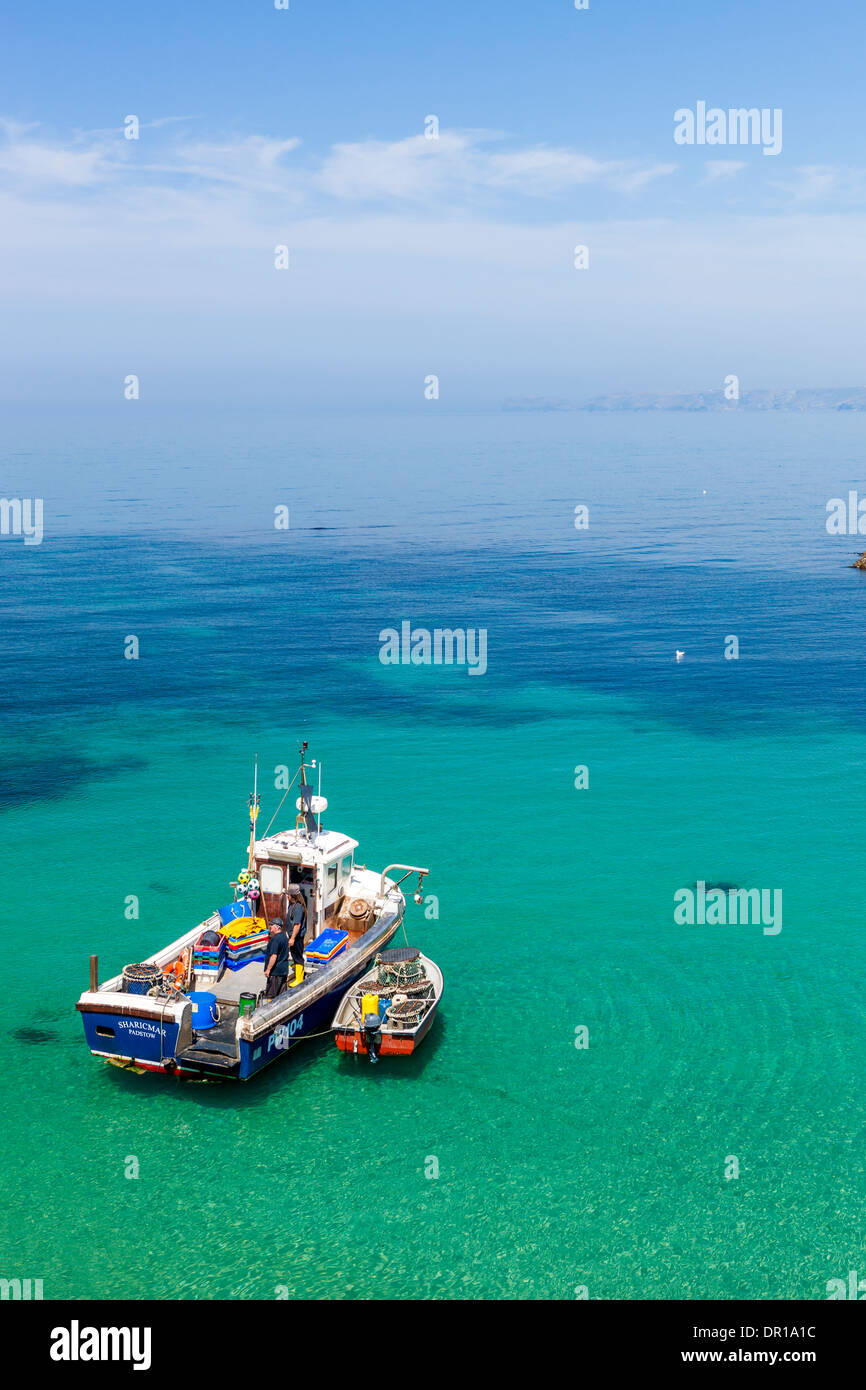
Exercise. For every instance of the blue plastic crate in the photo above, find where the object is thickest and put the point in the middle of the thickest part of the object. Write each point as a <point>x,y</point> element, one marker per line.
<point>327,945</point>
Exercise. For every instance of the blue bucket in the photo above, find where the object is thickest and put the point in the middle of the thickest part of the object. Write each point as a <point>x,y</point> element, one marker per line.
<point>204,1010</point>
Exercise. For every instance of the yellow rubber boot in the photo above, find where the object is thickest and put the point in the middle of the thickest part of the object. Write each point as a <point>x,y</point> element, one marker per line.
<point>299,975</point>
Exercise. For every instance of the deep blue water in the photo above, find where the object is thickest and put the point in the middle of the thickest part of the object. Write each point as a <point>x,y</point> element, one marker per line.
<point>558,1167</point>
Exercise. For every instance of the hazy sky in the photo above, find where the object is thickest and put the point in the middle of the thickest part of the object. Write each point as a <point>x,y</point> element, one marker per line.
<point>412,256</point>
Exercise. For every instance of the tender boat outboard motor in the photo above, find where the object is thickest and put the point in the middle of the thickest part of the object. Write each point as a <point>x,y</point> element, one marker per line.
<point>373,1034</point>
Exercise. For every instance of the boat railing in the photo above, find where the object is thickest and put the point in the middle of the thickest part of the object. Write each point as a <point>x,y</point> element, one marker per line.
<point>410,869</point>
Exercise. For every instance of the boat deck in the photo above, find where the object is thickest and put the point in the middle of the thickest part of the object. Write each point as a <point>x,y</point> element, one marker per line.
<point>234,983</point>
<point>250,980</point>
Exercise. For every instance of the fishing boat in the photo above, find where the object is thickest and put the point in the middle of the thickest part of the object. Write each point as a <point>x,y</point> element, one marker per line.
<point>198,1008</point>
<point>390,1010</point>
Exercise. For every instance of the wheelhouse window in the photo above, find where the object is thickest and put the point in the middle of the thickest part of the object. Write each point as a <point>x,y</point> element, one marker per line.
<point>346,867</point>
<point>331,878</point>
<point>271,878</point>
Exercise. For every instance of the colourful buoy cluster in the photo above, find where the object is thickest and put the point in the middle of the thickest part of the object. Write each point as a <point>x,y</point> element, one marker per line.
<point>248,886</point>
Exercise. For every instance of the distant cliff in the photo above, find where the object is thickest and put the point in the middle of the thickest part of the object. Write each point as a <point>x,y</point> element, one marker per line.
<point>823,398</point>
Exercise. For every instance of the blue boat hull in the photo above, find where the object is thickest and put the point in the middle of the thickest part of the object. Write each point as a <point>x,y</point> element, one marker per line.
<point>151,1044</point>
<point>143,1042</point>
<point>277,1042</point>
<point>280,1040</point>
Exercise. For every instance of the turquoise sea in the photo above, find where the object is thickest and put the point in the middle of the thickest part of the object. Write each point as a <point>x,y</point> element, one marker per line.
<point>560,1168</point>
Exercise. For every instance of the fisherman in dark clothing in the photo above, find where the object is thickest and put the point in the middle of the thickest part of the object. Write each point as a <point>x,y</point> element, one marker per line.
<point>296,921</point>
<point>277,963</point>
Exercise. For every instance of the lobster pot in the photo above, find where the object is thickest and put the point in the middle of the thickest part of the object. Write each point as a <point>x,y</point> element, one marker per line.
<point>407,1010</point>
<point>140,979</point>
<point>403,973</point>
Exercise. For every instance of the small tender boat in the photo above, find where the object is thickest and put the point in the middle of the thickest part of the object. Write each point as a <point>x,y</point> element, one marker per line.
<point>198,1007</point>
<point>391,1008</point>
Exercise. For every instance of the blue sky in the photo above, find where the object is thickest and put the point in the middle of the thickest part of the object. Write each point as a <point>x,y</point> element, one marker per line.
<point>410,256</point>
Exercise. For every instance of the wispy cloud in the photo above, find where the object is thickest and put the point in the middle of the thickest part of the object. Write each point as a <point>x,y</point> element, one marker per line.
<point>470,165</point>
<point>415,249</point>
<point>26,160</point>
<point>811,182</point>
<point>718,169</point>
<point>256,163</point>
<point>463,166</point>
<point>461,172</point>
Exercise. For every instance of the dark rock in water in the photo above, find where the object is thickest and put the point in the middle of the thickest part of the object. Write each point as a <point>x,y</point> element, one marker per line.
<point>160,888</point>
<point>859,564</point>
<point>33,1035</point>
<point>54,774</point>
<point>712,887</point>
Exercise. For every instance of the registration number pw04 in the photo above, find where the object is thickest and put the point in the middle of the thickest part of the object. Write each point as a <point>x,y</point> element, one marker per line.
<point>282,1036</point>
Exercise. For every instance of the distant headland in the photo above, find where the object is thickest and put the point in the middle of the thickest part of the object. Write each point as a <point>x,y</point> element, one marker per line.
<point>818,398</point>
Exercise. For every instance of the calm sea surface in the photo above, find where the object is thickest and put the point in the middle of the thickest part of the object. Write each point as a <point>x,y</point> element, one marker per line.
<point>559,1166</point>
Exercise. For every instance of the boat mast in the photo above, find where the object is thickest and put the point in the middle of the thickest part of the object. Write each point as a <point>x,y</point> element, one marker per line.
<point>254,811</point>
<point>305,813</point>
